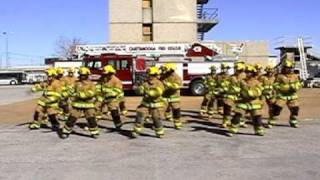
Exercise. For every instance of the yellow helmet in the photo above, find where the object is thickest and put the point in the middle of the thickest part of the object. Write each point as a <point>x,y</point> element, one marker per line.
<point>258,66</point>
<point>213,68</point>
<point>225,66</point>
<point>51,72</point>
<point>288,63</point>
<point>251,68</point>
<point>60,71</point>
<point>269,68</point>
<point>84,71</point>
<point>169,67</point>
<point>109,70</point>
<point>71,70</point>
<point>153,71</point>
<point>240,66</point>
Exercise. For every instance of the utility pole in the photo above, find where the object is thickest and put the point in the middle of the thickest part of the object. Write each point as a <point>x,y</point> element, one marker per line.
<point>6,34</point>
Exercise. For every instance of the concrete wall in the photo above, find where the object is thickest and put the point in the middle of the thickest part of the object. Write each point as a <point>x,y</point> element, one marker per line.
<point>174,11</point>
<point>125,11</point>
<point>169,32</point>
<point>125,33</point>
<point>125,18</point>
<point>173,21</point>
<point>253,51</point>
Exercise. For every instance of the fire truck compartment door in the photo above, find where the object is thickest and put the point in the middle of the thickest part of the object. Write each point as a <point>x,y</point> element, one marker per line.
<point>204,67</point>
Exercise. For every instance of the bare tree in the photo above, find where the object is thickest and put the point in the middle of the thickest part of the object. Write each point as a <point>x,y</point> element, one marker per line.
<point>65,47</point>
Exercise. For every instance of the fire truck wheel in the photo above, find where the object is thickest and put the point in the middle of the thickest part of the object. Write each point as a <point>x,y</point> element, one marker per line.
<point>197,88</point>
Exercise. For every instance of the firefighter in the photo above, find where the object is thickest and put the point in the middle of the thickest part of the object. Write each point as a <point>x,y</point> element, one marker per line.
<point>152,102</point>
<point>60,73</point>
<point>259,69</point>
<point>251,91</point>
<point>231,96</point>
<point>268,92</point>
<point>70,79</point>
<point>223,84</point>
<point>172,83</point>
<point>82,102</point>
<point>48,102</point>
<point>69,83</point>
<point>110,92</point>
<point>207,104</point>
<point>287,85</point>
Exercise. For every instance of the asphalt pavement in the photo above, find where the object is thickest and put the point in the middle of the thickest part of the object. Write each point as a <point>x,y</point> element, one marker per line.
<point>13,94</point>
<point>199,151</point>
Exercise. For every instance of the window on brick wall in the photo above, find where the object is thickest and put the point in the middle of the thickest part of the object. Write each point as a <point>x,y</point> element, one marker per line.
<point>146,3</point>
<point>147,32</point>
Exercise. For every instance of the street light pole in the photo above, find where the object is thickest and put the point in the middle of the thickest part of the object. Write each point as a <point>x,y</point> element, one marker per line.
<point>6,34</point>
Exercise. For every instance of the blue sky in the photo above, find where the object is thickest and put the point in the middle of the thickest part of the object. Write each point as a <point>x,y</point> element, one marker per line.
<point>35,25</point>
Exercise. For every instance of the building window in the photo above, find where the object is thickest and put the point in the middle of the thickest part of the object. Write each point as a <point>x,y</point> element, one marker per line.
<point>147,32</point>
<point>146,3</point>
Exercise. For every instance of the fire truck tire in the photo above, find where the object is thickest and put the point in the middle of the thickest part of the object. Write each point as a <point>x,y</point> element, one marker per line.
<point>197,88</point>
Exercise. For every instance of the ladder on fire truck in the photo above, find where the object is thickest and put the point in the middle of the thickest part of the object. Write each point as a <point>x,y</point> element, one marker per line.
<point>303,59</point>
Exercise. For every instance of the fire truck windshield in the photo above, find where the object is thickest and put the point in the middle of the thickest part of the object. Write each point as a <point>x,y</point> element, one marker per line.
<point>93,64</point>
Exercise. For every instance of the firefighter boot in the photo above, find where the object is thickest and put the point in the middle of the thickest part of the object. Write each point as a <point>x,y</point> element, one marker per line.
<point>271,123</point>
<point>259,131</point>
<point>294,123</point>
<point>93,127</point>
<point>177,124</point>
<point>158,127</point>
<point>243,123</point>
<point>293,117</point>
<point>159,132</point>
<point>55,126</point>
<point>116,119</point>
<point>169,116</point>
<point>203,111</point>
<point>64,132</point>
<point>233,129</point>
<point>177,121</point>
<point>94,132</point>
<point>225,122</point>
<point>35,124</point>
<point>138,128</point>
<point>210,113</point>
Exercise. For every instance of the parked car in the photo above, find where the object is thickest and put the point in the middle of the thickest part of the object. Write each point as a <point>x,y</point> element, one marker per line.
<point>313,82</point>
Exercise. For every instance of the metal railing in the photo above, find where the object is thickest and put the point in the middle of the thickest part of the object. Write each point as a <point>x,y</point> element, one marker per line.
<point>291,41</point>
<point>208,14</point>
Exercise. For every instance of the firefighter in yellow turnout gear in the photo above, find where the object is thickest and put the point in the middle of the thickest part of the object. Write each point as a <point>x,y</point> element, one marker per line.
<point>152,103</point>
<point>110,93</point>
<point>68,83</point>
<point>83,102</point>
<point>231,95</point>
<point>287,85</point>
<point>222,85</point>
<point>250,94</point>
<point>48,102</point>
<point>207,105</point>
<point>268,92</point>
<point>172,84</point>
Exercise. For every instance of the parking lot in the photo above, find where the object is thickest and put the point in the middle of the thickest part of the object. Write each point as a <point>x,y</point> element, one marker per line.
<point>201,150</point>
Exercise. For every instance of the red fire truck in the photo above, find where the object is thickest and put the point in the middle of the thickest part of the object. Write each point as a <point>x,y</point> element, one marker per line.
<point>131,67</point>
